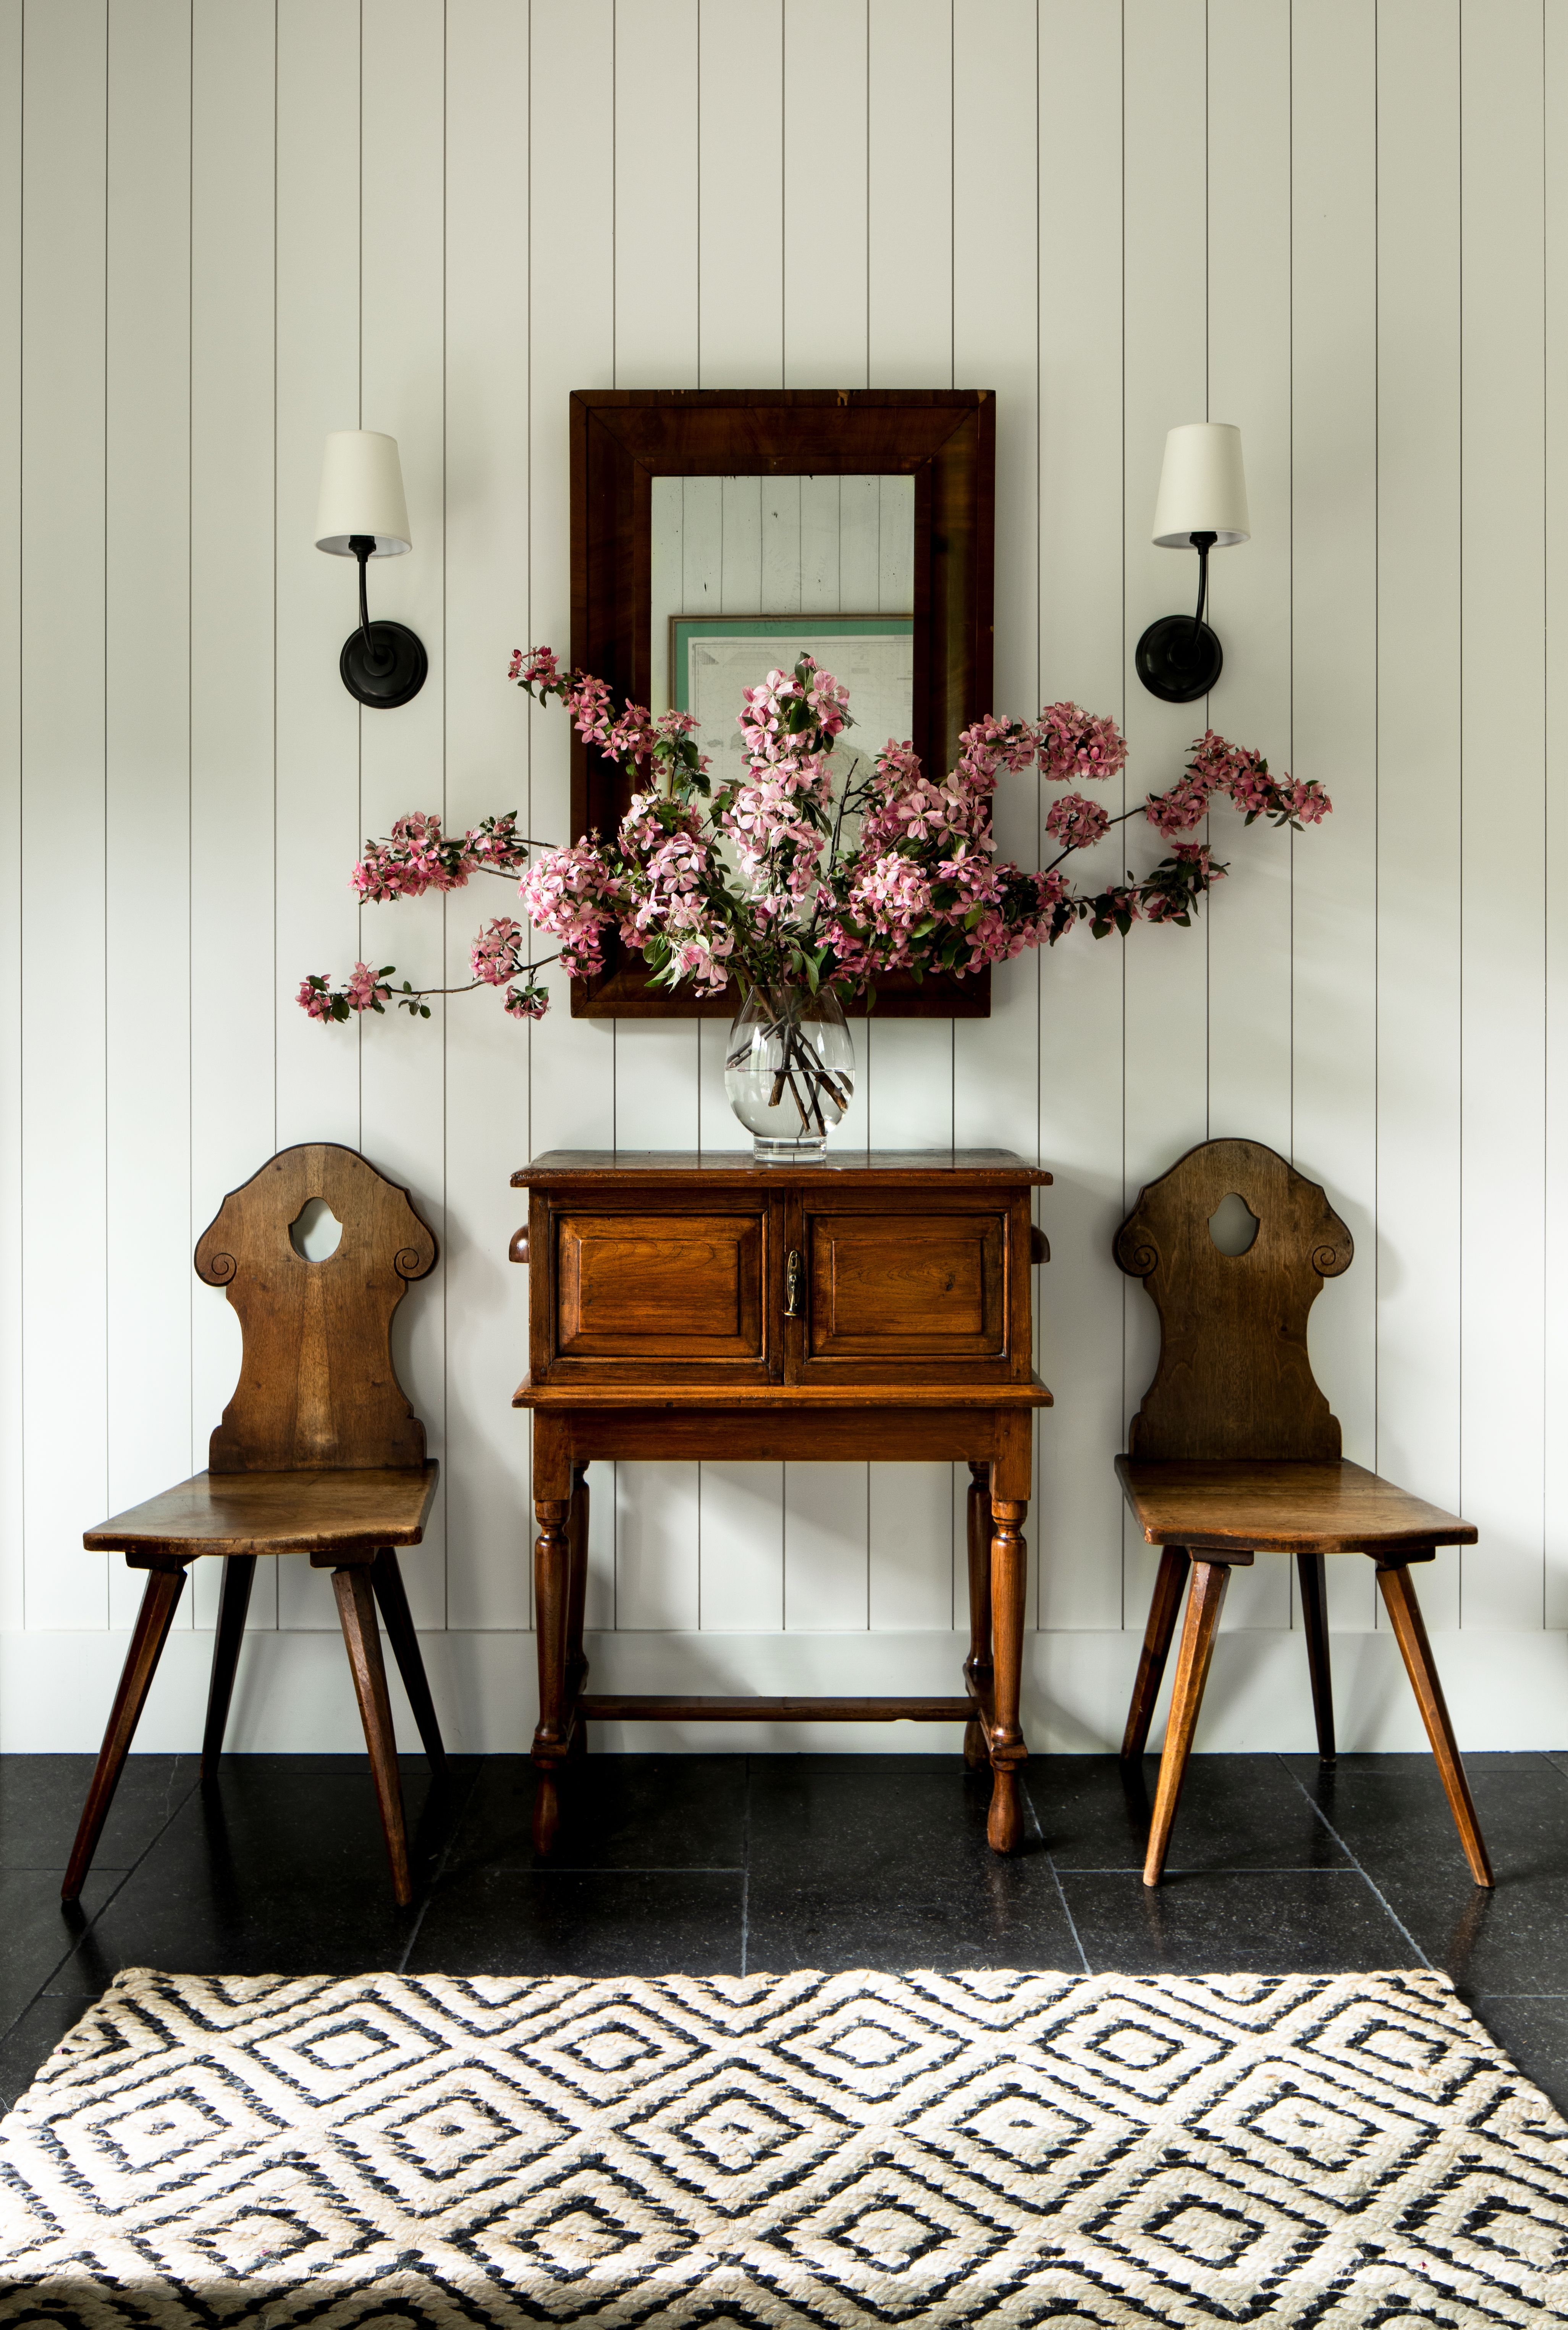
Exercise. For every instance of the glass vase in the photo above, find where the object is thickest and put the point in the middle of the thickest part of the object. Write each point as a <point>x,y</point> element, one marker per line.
<point>789,1072</point>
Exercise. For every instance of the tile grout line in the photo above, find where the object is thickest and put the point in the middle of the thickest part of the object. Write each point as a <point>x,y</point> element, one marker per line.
<point>746,1870</point>
<point>1055,1878</point>
<point>440,1868</point>
<point>1374,1889</point>
<point>125,1877</point>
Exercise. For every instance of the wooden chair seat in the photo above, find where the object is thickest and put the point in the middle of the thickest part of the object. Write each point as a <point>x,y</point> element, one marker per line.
<point>1258,1504</point>
<point>1234,1452</point>
<point>318,1453</point>
<point>328,1515</point>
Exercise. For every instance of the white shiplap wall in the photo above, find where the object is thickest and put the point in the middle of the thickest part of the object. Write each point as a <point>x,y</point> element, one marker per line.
<point>225,229</point>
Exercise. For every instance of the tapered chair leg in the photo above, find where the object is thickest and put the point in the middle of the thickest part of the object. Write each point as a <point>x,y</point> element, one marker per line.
<point>233,1602</point>
<point>1163,1611</point>
<point>356,1615</point>
<point>1205,1602</point>
<point>151,1632</point>
<point>1409,1633</point>
<point>1315,1620</point>
<point>398,1619</point>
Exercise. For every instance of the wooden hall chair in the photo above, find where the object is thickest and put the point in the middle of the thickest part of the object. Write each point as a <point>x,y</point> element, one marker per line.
<point>1234,1452</point>
<point>318,1453</point>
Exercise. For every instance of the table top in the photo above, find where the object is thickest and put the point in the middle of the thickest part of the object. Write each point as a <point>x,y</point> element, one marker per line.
<point>717,1168</point>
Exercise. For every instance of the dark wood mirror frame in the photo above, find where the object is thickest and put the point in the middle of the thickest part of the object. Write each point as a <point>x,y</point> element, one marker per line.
<point>622,438</point>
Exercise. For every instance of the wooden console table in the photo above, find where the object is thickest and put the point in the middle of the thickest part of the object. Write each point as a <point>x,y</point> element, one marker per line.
<point>869,1307</point>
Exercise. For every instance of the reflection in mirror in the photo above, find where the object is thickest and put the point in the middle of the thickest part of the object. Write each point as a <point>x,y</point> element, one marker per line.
<point>749,572</point>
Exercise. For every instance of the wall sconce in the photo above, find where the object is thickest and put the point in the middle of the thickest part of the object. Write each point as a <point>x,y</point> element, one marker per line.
<point>1203,501</point>
<point>362,514</point>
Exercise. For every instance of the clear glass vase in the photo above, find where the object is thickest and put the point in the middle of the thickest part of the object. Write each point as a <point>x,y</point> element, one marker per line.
<point>789,1071</point>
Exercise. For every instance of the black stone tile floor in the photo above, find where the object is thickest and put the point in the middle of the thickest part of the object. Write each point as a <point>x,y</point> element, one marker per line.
<point>731,1864</point>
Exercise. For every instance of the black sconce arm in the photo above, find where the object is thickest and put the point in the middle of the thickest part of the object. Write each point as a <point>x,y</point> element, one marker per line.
<point>383,663</point>
<point>1177,658</point>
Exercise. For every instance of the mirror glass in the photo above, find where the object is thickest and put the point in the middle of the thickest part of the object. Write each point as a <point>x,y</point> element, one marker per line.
<point>747,573</point>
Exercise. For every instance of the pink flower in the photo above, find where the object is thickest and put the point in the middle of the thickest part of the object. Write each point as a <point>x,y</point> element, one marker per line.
<point>537,668</point>
<point>315,997</point>
<point>498,950</point>
<point>1073,743</point>
<point>1076,821</point>
<point>365,989</point>
<point>529,1002</point>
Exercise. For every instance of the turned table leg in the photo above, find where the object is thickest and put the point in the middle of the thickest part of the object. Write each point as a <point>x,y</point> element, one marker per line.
<point>551,1599</point>
<point>1009,1571</point>
<point>977,1666</point>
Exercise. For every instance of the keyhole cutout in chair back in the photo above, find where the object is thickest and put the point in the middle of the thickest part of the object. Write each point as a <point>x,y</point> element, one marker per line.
<point>315,1232</point>
<point>1233,1225</point>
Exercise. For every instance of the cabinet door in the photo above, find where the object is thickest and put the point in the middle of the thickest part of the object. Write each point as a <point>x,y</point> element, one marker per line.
<point>891,1294</point>
<point>652,1292</point>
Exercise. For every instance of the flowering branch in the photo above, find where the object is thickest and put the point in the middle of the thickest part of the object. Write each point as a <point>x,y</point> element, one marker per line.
<point>768,879</point>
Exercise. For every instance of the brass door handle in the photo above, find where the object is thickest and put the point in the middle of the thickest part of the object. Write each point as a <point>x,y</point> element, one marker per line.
<point>793,1286</point>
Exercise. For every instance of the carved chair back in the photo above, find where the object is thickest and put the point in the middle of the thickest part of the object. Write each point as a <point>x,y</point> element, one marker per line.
<point>1233,1379</point>
<point>317,1385</point>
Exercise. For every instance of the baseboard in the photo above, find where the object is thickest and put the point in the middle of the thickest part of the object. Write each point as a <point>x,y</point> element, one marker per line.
<point>1505,1691</point>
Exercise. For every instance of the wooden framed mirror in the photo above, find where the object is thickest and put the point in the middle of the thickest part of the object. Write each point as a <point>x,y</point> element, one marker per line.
<point>768,504</point>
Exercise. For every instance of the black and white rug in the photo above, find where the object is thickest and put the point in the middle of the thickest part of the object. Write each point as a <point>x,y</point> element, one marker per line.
<point>850,2151</point>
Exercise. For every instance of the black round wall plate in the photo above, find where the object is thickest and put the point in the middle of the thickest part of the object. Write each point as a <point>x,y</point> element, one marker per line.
<point>390,672</point>
<point>1174,664</point>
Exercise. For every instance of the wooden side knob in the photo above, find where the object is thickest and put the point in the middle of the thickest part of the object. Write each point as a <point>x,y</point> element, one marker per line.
<point>1039,1247</point>
<point>519,1249</point>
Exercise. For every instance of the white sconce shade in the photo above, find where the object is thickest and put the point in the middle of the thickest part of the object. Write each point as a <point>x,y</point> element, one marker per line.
<point>361,493</point>
<point>1203,486</point>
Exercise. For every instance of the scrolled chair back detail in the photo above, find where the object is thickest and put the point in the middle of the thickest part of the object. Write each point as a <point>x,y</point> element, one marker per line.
<point>317,1387</point>
<point>1234,1378</point>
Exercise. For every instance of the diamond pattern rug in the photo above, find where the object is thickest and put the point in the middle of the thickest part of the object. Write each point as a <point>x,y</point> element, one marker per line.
<point>850,2151</point>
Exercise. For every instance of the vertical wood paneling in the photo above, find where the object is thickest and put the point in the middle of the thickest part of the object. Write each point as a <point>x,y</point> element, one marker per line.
<point>570,227</point>
<point>657,164</point>
<point>239,986</point>
<point>1333,1027</point>
<point>147,531</point>
<point>996,237</point>
<point>318,786</point>
<point>320,823</point>
<point>827,215</point>
<point>440,221</point>
<point>908,1068</point>
<point>402,299</point>
<point>487,615</point>
<point>909,194</point>
<point>1078,1298</point>
<point>1556,1242</point>
<point>741,201</point>
<point>1419,550</point>
<point>13,1600</point>
<point>1502,864</point>
<point>64,1177</point>
<point>658,1066</point>
<point>1165,381</point>
<point>1248,915</point>
<point>572,344</point>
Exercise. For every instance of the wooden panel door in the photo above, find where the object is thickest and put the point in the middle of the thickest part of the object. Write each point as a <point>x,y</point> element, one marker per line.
<point>654,1290</point>
<point>888,1294</point>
